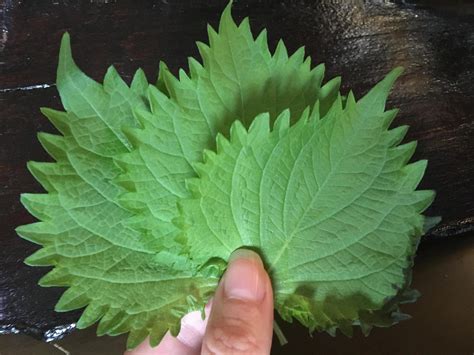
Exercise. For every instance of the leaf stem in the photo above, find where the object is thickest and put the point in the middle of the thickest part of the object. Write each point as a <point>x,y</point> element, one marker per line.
<point>279,333</point>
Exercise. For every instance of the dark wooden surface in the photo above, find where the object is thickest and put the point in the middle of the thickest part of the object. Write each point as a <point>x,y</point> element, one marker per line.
<point>360,40</point>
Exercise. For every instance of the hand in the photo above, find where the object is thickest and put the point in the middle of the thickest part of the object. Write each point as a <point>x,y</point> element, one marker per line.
<point>240,319</point>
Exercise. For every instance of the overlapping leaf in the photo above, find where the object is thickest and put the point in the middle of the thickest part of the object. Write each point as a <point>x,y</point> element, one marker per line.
<point>330,204</point>
<point>239,78</point>
<point>125,280</point>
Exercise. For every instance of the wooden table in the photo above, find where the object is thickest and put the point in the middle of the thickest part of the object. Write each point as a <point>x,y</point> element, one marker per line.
<point>359,40</point>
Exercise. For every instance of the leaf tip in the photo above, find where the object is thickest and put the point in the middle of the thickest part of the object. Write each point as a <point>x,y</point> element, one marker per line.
<point>261,123</point>
<point>226,18</point>
<point>391,77</point>
<point>430,223</point>
<point>238,132</point>
<point>397,71</point>
<point>282,123</point>
<point>66,42</point>
<point>65,54</point>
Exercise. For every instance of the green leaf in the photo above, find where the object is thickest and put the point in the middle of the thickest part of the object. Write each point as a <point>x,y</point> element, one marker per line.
<point>330,204</point>
<point>124,278</point>
<point>238,79</point>
<point>326,196</point>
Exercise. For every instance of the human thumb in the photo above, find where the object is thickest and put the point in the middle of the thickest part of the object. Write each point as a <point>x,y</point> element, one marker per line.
<point>241,319</point>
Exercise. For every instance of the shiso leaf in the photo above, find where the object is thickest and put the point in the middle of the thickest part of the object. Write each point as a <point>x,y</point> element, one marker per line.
<point>153,186</point>
<point>238,78</point>
<point>125,279</point>
<point>330,204</point>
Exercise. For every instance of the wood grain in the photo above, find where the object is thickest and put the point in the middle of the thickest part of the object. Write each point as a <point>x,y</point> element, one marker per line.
<point>360,40</point>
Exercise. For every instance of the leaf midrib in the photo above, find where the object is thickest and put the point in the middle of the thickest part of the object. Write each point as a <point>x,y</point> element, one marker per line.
<point>328,178</point>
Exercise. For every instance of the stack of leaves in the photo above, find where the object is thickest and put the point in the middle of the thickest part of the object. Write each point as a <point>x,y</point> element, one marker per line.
<point>154,186</point>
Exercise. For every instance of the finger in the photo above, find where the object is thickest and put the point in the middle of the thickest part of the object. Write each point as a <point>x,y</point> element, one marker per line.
<point>241,318</point>
<point>188,341</point>
<point>193,328</point>
<point>169,345</point>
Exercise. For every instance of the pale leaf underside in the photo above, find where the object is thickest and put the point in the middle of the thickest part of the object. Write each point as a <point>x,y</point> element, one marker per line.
<point>326,196</point>
<point>330,203</point>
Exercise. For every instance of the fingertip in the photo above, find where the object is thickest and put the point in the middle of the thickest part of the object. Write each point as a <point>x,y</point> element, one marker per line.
<point>241,319</point>
<point>188,341</point>
<point>245,254</point>
<point>245,278</point>
<point>193,328</point>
